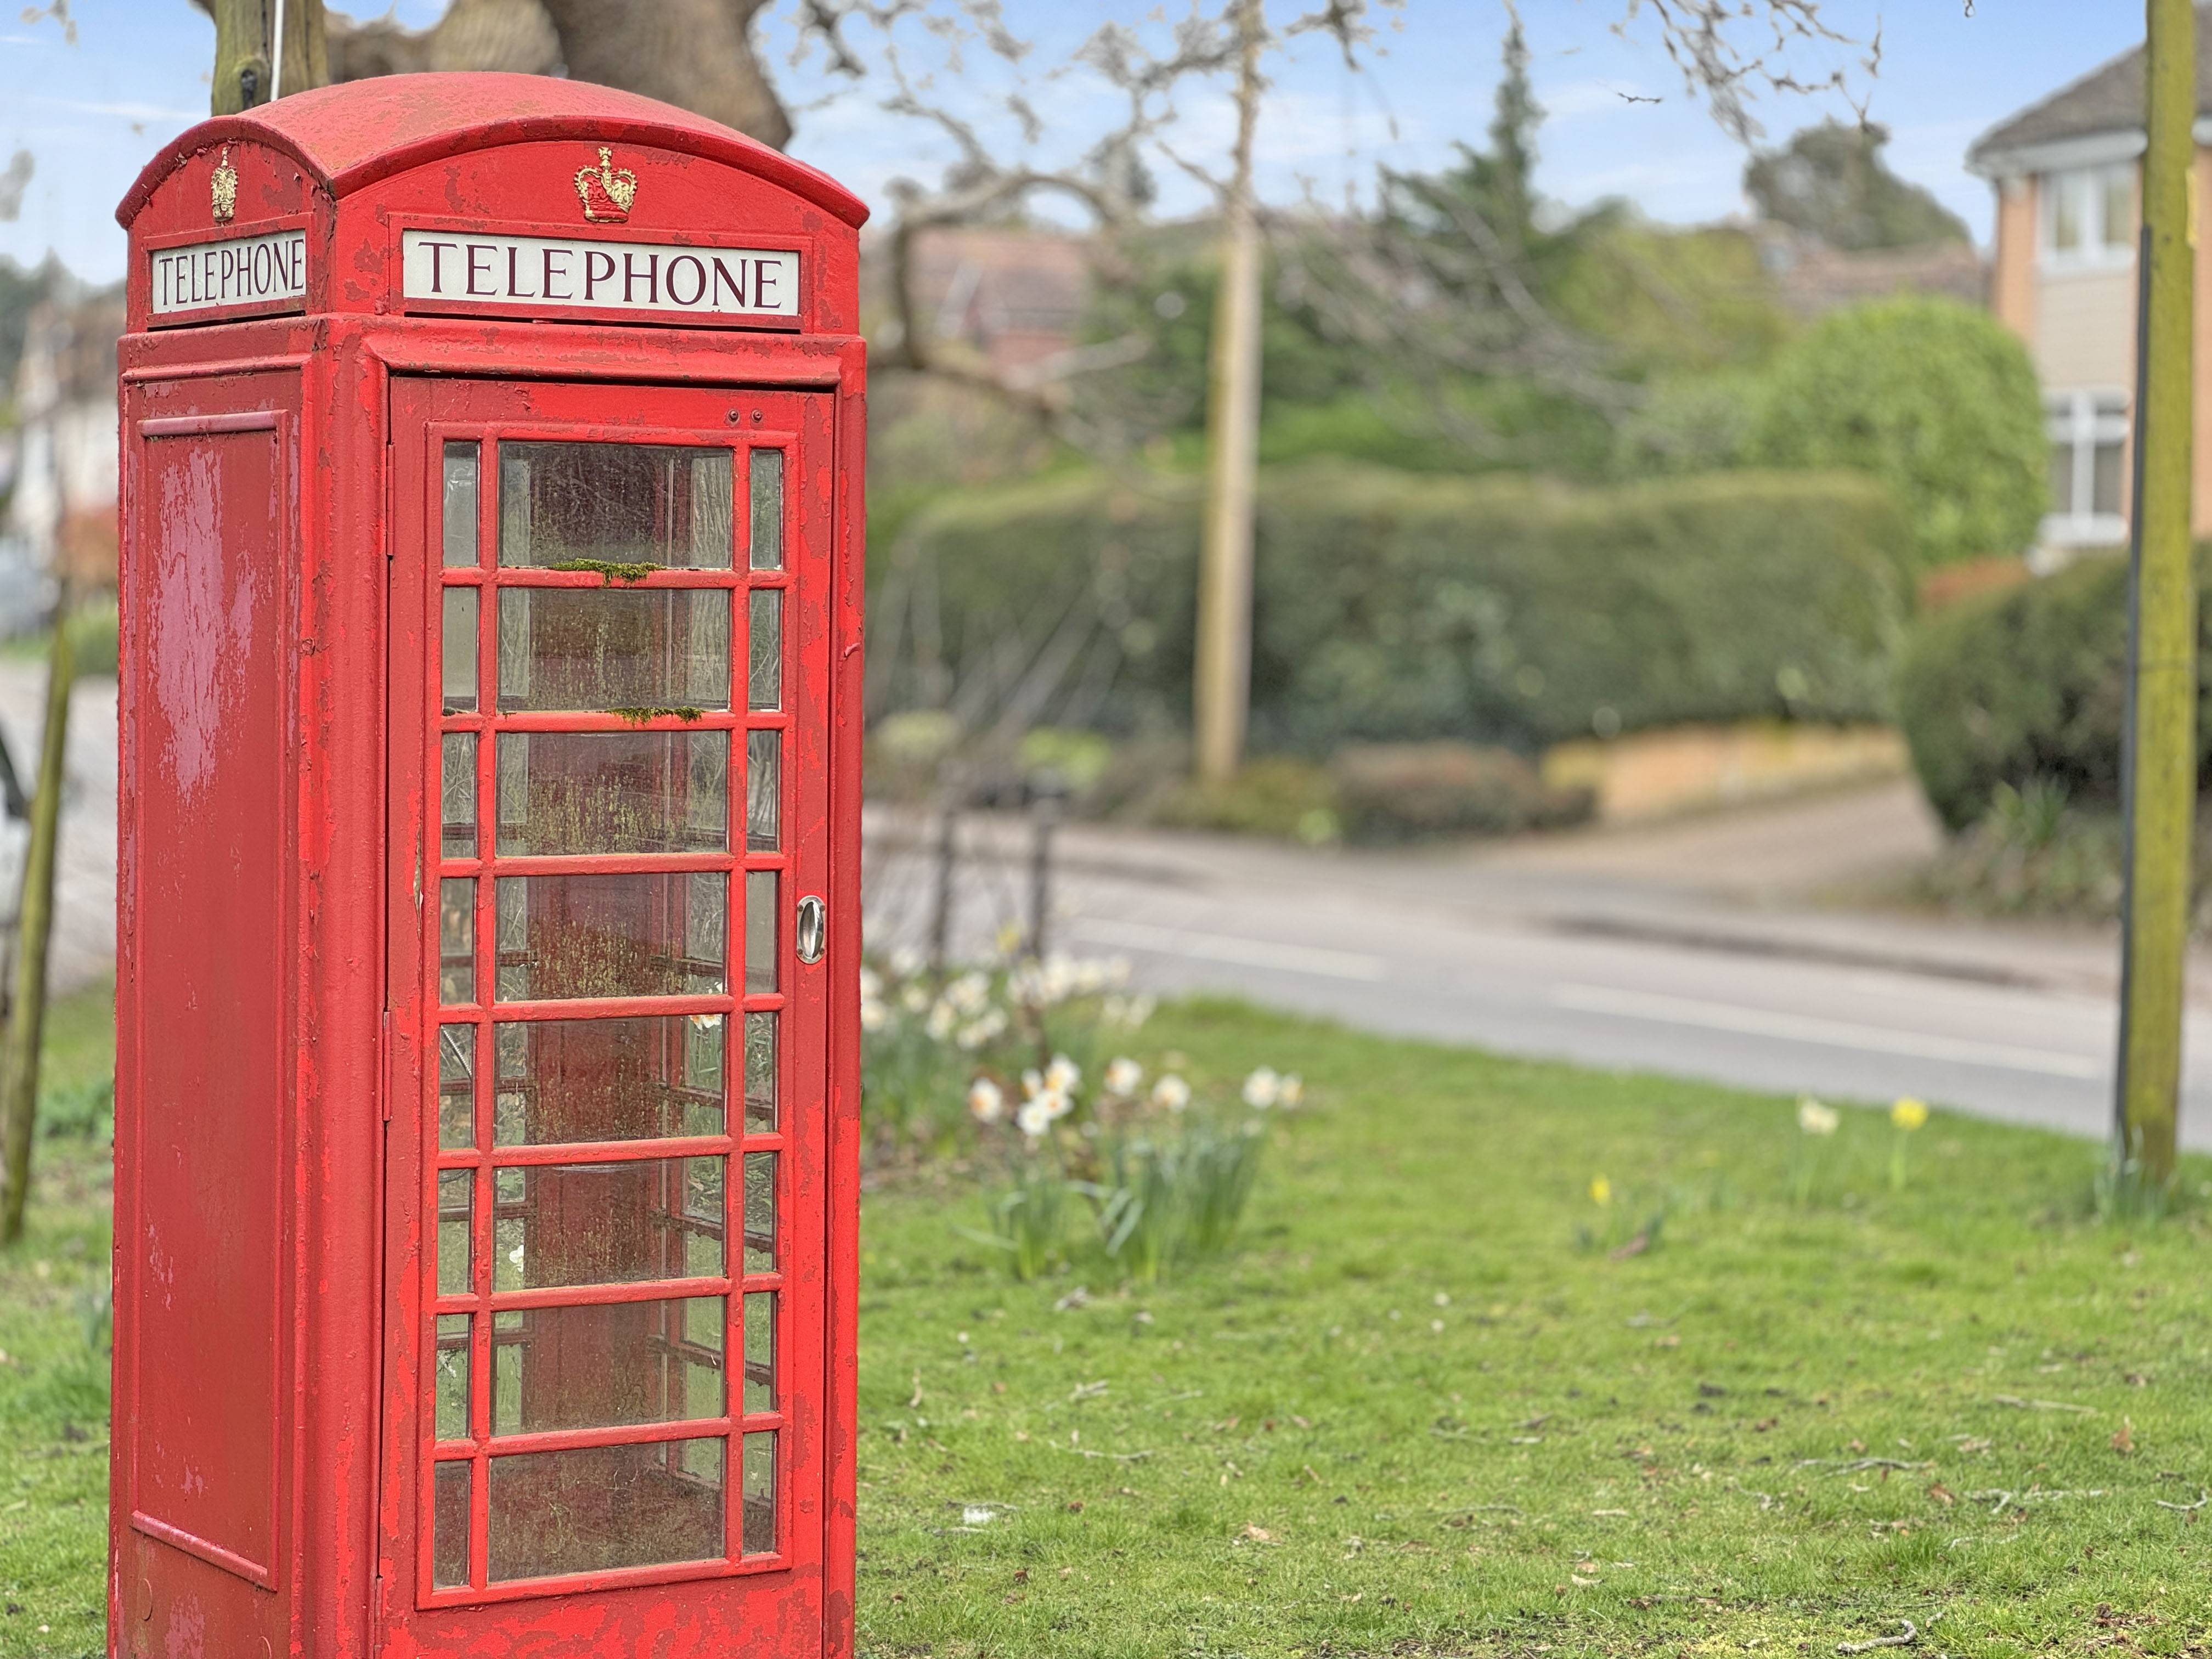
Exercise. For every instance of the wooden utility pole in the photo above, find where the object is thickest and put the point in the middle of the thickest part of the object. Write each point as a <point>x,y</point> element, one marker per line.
<point>1222,685</point>
<point>26,1015</point>
<point>243,32</point>
<point>2160,758</point>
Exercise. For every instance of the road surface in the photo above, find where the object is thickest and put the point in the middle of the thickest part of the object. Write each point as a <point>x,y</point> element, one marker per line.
<point>1697,950</point>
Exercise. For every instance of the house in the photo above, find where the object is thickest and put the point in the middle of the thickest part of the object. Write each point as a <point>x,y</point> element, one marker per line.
<point>2065,171</point>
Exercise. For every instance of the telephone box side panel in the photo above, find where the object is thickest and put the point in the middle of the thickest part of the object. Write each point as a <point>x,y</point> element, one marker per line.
<point>206,1239</point>
<point>236,230</point>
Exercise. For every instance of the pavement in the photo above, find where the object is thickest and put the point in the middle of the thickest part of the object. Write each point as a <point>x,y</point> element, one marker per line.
<point>1747,947</point>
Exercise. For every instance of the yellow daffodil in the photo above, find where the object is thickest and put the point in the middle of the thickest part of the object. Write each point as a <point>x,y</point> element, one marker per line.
<point>1909,1114</point>
<point>1600,1191</point>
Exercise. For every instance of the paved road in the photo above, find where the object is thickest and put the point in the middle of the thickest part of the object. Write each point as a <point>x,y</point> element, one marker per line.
<point>1698,950</point>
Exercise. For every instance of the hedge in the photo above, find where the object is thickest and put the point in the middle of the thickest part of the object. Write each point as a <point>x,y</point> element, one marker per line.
<point>2029,682</point>
<point>1395,607</point>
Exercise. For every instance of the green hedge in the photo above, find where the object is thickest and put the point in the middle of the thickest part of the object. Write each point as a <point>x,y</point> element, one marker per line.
<point>1394,607</point>
<point>2030,684</point>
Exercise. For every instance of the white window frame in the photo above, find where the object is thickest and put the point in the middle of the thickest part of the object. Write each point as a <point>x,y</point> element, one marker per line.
<point>2082,420</point>
<point>2086,185</point>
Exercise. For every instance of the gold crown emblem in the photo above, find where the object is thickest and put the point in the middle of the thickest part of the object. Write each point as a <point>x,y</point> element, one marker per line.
<point>223,188</point>
<point>606,191</point>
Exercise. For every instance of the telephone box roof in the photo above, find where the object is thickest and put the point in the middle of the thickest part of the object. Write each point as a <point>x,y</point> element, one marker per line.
<point>350,136</point>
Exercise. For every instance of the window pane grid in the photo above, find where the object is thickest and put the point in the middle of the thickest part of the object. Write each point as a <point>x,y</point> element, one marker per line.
<point>746,1222</point>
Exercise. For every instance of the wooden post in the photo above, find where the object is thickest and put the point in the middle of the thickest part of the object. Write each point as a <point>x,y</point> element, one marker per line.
<point>2160,762</point>
<point>19,1053</point>
<point>1222,685</point>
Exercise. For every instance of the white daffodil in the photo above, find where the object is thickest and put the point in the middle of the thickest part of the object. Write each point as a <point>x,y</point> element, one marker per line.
<point>1262,1088</point>
<point>1171,1092</point>
<point>1033,1118</point>
<point>987,1102</point>
<point>1062,1075</point>
<point>940,1022</point>
<point>1057,1104</point>
<point>874,1016</point>
<point>970,994</point>
<point>1124,1077</point>
<point>905,962</point>
<point>871,984</point>
<point>1032,1082</point>
<point>913,997</point>
<point>1291,1090</point>
<point>1814,1119</point>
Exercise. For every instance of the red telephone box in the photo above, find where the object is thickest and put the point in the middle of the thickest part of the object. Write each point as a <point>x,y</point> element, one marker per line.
<point>487,1084</point>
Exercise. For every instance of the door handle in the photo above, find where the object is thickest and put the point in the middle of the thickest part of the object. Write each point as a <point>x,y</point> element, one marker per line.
<point>813,928</point>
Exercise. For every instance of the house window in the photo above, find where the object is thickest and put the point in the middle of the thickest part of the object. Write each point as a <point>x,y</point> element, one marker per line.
<point>2088,216</point>
<point>2088,433</point>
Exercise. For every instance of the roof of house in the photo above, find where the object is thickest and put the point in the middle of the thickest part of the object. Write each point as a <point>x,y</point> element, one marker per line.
<point>2109,99</point>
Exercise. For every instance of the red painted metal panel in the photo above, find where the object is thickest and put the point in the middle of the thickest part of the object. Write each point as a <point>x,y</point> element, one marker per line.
<point>205,1396</point>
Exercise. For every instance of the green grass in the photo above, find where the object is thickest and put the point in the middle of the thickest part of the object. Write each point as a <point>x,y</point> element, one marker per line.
<point>54,1377</point>
<point>1676,1426</point>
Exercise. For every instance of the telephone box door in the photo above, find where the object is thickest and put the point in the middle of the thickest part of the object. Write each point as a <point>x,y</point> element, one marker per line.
<point>607,1192</point>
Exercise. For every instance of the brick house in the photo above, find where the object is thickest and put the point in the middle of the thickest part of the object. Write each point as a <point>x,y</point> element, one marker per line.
<point>2063,278</point>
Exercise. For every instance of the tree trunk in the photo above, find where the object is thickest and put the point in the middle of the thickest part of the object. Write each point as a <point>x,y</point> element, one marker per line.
<point>1222,683</point>
<point>695,54</point>
<point>242,56</point>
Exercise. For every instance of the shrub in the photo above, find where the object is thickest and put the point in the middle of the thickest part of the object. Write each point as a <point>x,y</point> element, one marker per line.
<point>1390,607</point>
<point>2030,685</point>
<point>1935,400</point>
<point>1417,790</point>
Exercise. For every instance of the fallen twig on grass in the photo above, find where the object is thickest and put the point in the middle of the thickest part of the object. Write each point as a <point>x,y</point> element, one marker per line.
<point>2017,1404</point>
<point>2203,1497</point>
<point>1999,1501</point>
<point>1858,1465</point>
<point>1117,1457</point>
<point>1906,1640</point>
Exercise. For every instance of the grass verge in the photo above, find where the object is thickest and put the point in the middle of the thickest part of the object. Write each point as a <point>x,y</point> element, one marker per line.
<point>1441,1405</point>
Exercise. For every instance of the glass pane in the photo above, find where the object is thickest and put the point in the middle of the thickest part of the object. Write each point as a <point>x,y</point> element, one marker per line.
<point>456,1236</point>
<point>457,939</point>
<point>766,681</point>
<point>598,1508</point>
<point>664,650</point>
<point>2066,211</point>
<point>460,525</point>
<point>457,643</point>
<point>608,1365</point>
<point>457,1087</point>
<point>613,792</point>
<point>760,931</point>
<point>2104,482</point>
<point>584,506</point>
<point>764,790</point>
<point>760,1072</point>
<point>608,1079</point>
<point>457,795</point>
<point>760,1494</point>
<point>454,1362</point>
<point>760,1351</point>
<point>767,509</point>
<point>2119,206</point>
<point>613,936</point>
<point>760,1212</point>
<point>607,1223</point>
<point>2061,478</point>
<point>449,1526</point>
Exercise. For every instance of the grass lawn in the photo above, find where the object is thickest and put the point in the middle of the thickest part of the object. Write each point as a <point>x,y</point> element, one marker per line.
<point>1421,1414</point>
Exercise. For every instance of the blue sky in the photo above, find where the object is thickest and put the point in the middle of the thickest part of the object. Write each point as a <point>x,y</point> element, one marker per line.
<point>93,113</point>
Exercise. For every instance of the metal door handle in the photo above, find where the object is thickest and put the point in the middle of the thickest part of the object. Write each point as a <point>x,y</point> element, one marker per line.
<point>813,928</point>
